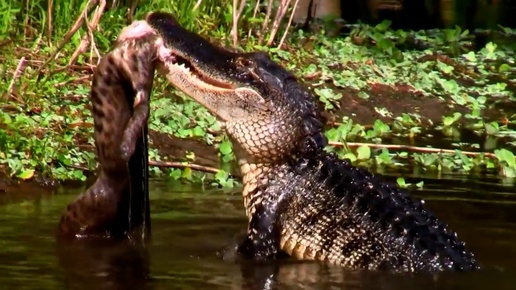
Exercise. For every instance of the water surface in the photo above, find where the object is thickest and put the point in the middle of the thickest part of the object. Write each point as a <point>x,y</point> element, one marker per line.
<point>192,227</point>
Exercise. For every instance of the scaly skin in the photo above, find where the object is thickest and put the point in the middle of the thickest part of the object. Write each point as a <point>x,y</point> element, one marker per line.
<point>298,198</point>
<point>118,201</point>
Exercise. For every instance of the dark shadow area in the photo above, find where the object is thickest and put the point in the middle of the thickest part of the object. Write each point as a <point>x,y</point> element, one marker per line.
<point>421,14</point>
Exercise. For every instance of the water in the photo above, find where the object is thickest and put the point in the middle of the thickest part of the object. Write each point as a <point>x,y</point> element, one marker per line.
<point>191,229</point>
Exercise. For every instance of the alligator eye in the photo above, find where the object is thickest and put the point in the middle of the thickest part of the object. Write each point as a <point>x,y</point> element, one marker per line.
<point>248,66</point>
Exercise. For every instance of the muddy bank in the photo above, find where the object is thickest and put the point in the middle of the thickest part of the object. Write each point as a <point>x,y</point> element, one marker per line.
<point>398,100</point>
<point>395,99</point>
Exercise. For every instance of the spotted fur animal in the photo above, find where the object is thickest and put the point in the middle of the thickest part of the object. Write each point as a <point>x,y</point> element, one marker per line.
<point>118,201</point>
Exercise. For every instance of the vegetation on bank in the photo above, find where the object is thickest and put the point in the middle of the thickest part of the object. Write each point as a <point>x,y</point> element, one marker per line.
<point>46,126</point>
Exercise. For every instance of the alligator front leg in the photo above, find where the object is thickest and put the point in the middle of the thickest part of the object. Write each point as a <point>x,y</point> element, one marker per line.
<point>263,234</point>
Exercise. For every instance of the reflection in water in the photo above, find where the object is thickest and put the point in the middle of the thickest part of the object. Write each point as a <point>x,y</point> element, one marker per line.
<point>108,264</point>
<point>194,233</point>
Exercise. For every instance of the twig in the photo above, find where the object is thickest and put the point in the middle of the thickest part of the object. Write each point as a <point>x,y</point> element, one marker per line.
<point>265,22</point>
<point>83,78</point>
<point>255,11</point>
<point>86,146</point>
<point>409,148</point>
<point>26,20</point>
<point>288,24</point>
<point>197,5</point>
<point>9,108</point>
<point>16,75</point>
<point>36,47</point>
<point>85,67</point>
<point>169,164</point>
<point>277,20</point>
<point>5,42</point>
<point>85,40</point>
<point>214,132</point>
<point>93,46</point>
<point>49,17</point>
<point>132,9</point>
<point>237,12</point>
<point>77,167</point>
<point>166,164</point>
<point>184,165</point>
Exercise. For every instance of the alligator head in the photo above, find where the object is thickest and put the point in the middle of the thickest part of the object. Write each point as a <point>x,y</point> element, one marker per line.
<point>244,90</point>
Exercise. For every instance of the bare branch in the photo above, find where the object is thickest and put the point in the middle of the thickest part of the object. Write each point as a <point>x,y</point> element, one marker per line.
<point>49,20</point>
<point>277,20</point>
<point>288,24</point>
<point>409,148</point>
<point>197,5</point>
<point>255,11</point>
<point>17,73</point>
<point>265,21</point>
<point>88,38</point>
<point>78,23</point>
<point>237,13</point>
<point>184,165</point>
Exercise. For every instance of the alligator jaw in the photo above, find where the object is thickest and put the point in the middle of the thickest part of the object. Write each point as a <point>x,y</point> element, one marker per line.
<point>226,101</point>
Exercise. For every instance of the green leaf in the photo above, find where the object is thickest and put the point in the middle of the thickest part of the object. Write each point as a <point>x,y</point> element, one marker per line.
<point>449,120</point>
<point>225,148</point>
<point>401,182</point>
<point>470,56</point>
<point>491,128</point>
<point>363,95</point>
<point>385,44</point>
<point>504,67</point>
<point>221,176</point>
<point>384,25</point>
<point>350,156</point>
<point>447,69</point>
<point>508,172</point>
<point>507,156</point>
<point>7,119</point>
<point>198,131</point>
<point>26,174</point>
<point>491,47</point>
<point>363,152</point>
<point>187,173</point>
<point>175,174</point>
<point>77,174</point>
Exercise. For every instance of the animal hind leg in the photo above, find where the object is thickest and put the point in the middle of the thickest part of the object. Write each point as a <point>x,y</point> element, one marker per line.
<point>92,211</point>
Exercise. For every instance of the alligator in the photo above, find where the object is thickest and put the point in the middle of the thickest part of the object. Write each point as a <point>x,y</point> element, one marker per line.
<point>300,199</point>
<point>118,202</point>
